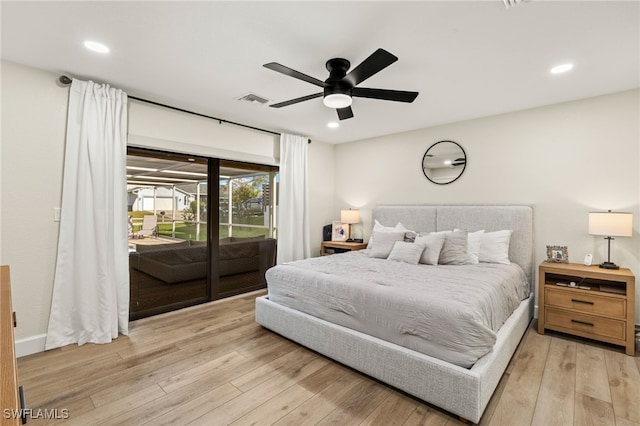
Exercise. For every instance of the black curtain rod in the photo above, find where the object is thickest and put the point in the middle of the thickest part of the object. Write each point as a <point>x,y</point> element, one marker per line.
<point>66,81</point>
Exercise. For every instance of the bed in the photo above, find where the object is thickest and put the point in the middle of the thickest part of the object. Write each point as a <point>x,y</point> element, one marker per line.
<point>460,386</point>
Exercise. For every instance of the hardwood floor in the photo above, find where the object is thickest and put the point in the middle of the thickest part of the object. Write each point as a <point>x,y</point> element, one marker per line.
<point>213,365</point>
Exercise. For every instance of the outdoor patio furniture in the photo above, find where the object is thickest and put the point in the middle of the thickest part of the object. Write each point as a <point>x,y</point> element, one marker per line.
<point>149,226</point>
<point>165,277</point>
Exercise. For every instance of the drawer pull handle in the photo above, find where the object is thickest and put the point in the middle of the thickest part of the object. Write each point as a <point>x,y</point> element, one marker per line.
<point>582,322</point>
<point>582,301</point>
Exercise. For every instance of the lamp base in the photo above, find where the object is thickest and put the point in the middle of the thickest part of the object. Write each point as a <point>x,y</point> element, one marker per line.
<point>609,265</point>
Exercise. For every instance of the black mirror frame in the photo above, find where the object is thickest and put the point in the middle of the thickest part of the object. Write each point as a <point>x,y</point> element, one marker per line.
<point>461,172</point>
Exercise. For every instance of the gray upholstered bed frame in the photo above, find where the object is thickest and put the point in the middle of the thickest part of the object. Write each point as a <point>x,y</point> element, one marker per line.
<point>461,391</point>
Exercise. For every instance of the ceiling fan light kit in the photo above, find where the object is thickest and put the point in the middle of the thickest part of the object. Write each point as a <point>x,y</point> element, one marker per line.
<point>337,100</point>
<point>340,87</point>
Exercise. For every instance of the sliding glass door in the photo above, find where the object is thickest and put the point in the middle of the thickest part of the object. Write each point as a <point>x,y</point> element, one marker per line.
<point>178,257</point>
<point>247,245</point>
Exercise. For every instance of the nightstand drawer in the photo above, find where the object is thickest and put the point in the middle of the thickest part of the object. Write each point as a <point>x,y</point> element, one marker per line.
<point>583,302</point>
<point>588,325</point>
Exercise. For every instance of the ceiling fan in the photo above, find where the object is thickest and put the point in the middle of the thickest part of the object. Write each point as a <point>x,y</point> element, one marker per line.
<point>340,87</point>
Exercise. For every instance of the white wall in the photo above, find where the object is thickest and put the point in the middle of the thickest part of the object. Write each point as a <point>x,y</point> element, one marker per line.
<point>566,160</point>
<point>152,126</point>
<point>34,109</point>
<point>321,187</point>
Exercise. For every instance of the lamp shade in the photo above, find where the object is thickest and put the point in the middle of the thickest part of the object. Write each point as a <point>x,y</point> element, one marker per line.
<point>611,224</point>
<point>350,216</point>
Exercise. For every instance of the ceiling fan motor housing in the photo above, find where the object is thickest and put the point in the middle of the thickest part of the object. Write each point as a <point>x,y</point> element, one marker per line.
<point>337,67</point>
<point>336,83</point>
<point>338,89</point>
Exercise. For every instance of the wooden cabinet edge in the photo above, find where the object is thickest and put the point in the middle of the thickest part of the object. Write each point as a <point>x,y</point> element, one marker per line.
<point>9,393</point>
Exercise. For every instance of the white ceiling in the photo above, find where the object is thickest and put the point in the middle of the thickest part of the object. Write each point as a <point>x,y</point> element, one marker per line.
<point>467,59</point>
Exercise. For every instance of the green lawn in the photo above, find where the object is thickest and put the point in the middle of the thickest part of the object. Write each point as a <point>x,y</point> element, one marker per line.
<point>187,231</point>
<point>184,231</point>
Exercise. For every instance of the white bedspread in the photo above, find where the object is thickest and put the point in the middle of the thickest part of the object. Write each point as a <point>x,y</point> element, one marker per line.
<point>449,312</point>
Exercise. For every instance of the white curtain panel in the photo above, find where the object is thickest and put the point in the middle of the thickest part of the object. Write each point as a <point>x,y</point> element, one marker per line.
<point>91,285</point>
<point>293,206</point>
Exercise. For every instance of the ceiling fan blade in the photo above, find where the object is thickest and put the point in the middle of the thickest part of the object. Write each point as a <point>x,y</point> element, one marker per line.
<point>296,100</point>
<point>379,60</point>
<point>345,113</point>
<point>385,94</point>
<point>293,73</point>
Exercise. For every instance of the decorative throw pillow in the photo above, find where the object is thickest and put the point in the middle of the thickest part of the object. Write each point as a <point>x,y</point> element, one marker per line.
<point>454,249</point>
<point>433,245</point>
<point>495,247</point>
<point>474,240</point>
<point>381,243</point>
<point>410,236</point>
<point>406,252</point>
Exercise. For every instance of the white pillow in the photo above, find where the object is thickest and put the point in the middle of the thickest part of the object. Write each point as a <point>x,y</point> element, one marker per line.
<point>473,246</point>
<point>474,241</point>
<point>406,252</point>
<point>378,227</point>
<point>433,245</point>
<point>381,243</point>
<point>495,247</point>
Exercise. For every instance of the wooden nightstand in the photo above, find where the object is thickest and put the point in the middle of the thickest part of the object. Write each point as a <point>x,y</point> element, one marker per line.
<point>603,309</point>
<point>331,247</point>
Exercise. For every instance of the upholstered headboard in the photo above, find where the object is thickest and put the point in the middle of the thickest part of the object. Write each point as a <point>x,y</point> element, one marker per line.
<point>429,218</point>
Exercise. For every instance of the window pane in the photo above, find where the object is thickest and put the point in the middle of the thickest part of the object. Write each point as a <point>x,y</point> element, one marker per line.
<point>246,248</point>
<point>168,259</point>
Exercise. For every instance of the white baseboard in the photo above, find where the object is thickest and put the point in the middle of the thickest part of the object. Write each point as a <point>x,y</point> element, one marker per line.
<point>30,345</point>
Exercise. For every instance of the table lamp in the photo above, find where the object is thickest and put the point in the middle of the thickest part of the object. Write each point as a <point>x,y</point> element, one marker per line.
<point>350,217</point>
<point>611,224</point>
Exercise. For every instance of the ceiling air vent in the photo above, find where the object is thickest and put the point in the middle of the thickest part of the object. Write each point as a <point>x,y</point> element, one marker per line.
<point>252,98</point>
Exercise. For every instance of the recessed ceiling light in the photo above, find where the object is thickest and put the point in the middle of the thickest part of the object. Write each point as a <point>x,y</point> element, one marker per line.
<point>333,125</point>
<point>561,68</point>
<point>96,47</point>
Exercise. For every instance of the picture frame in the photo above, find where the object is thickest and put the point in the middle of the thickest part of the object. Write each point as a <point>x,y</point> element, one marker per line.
<point>557,254</point>
<point>338,231</point>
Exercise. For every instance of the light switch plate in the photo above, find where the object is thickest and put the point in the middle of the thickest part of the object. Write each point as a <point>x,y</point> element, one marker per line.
<point>56,214</point>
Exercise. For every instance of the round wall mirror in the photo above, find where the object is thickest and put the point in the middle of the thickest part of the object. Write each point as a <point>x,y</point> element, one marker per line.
<point>444,162</point>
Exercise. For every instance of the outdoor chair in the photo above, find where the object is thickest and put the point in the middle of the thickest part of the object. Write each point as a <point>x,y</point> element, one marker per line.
<point>149,226</point>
